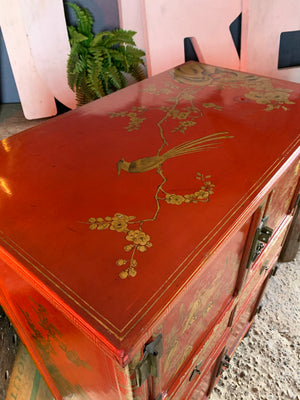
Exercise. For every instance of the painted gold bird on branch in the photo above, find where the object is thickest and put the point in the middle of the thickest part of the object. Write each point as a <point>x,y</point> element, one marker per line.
<point>154,162</point>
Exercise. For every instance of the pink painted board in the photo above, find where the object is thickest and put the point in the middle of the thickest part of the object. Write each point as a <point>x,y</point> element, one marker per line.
<point>168,22</point>
<point>38,54</point>
<point>130,15</point>
<point>36,98</point>
<point>261,28</point>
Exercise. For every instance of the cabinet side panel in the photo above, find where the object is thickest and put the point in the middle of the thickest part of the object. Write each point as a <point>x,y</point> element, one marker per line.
<point>70,362</point>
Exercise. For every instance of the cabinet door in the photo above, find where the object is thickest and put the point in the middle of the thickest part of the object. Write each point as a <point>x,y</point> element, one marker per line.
<point>281,196</point>
<point>269,222</point>
<point>198,309</point>
<point>253,290</point>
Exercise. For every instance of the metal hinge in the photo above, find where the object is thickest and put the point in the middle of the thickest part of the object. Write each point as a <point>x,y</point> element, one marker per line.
<point>259,308</point>
<point>149,363</point>
<point>262,236</point>
<point>297,202</point>
<point>224,363</point>
<point>274,271</point>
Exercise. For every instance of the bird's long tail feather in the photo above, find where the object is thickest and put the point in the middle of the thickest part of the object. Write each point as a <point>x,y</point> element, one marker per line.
<point>194,146</point>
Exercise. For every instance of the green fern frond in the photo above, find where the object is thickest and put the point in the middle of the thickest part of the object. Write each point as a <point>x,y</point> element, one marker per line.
<point>75,36</point>
<point>137,72</point>
<point>71,65</point>
<point>84,18</point>
<point>100,38</point>
<point>96,64</point>
<point>133,55</point>
<point>84,94</point>
<point>119,36</point>
<point>94,76</point>
<point>115,80</point>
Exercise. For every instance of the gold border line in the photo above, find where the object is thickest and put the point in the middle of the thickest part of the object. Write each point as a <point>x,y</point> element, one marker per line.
<point>198,249</point>
<point>158,289</point>
<point>43,274</point>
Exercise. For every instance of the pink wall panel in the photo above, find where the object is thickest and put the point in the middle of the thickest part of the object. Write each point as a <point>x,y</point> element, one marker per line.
<point>130,14</point>
<point>168,22</point>
<point>263,22</point>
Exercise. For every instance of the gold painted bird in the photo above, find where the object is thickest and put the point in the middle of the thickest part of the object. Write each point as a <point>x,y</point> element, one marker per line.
<point>193,146</point>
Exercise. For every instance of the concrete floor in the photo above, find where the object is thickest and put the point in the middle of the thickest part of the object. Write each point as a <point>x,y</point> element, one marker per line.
<point>8,350</point>
<point>12,120</point>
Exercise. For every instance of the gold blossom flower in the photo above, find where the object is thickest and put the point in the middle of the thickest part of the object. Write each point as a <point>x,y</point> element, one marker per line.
<point>174,199</point>
<point>131,271</point>
<point>187,123</point>
<point>119,222</point>
<point>151,89</point>
<point>120,262</point>
<point>258,97</point>
<point>188,96</point>
<point>212,105</point>
<point>277,95</point>
<point>128,272</point>
<point>208,187</point>
<point>98,223</point>
<point>183,115</point>
<point>188,198</point>
<point>134,124</point>
<point>128,247</point>
<point>123,274</point>
<point>133,263</point>
<point>142,249</point>
<point>138,237</point>
<point>201,195</point>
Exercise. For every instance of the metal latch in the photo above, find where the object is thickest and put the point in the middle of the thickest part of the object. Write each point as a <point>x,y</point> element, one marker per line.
<point>262,236</point>
<point>265,234</point>
<point>149,363</point>
<point>264,268</point>
<point>196,371</point>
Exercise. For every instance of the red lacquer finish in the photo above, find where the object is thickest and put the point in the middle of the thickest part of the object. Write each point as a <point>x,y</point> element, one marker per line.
<point>131,217</point>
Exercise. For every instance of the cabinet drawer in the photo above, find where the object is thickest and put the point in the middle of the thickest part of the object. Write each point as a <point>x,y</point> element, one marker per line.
<point>205,385</point>
<point>200,362</point>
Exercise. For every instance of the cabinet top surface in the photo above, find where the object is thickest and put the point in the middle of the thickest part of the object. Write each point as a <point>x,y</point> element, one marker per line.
<point>115,205</point>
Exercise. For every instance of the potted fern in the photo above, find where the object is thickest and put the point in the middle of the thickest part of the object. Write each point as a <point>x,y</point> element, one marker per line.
<point>100,64</point>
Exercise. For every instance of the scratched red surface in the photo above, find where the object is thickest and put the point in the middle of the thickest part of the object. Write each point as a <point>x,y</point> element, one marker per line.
<point>56,176</point>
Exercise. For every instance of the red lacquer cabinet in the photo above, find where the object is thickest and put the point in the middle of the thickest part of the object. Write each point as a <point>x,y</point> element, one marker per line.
<point>138,232</point>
